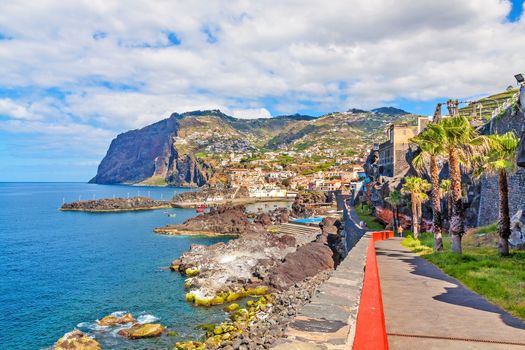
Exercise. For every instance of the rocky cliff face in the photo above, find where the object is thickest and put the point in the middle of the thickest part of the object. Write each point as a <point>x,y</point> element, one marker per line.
<point>151,154</point>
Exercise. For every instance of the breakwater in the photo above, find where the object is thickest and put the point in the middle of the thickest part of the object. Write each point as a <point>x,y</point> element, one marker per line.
<point>117,204</point>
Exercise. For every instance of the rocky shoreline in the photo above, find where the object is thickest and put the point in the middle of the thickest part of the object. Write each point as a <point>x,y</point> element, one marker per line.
<point>282,270</point>
<point>116,204</point>
<point>262,278</point>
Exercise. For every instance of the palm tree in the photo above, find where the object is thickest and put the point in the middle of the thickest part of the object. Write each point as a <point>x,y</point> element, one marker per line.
<point>431,146</point>
<point>446,191</point>
<point>501,160</point>
<point>416,187</point>
<point>460,142</point>
<point>395,199</point>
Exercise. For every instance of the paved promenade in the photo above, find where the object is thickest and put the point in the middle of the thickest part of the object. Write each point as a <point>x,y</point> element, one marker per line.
<point>422,306</point>
<point>327,323</point>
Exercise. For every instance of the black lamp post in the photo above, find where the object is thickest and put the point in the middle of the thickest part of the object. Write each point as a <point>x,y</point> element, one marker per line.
<point>520,78</point>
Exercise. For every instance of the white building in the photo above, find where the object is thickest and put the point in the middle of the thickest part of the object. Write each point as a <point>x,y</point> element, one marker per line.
<point>267,192</point>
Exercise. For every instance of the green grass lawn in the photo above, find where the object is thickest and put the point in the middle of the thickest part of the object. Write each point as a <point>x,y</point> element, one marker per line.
<point>499,279</point>
<point>365,213</point>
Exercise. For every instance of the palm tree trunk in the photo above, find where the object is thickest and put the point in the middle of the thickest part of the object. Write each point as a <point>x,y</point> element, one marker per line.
<point>437,221</point>
<point>393,216</point>
<point>415,228</point>
<point>419,213</point>
<point>504,215</point>
<point>397,216</point>
<point>449,206</point>
<point>457,222</point>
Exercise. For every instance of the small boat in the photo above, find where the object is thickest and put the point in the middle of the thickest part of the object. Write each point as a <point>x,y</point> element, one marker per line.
<point>200,208</point>
<point>172,215</point>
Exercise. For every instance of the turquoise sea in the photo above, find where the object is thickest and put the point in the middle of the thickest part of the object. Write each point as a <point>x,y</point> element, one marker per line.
<point>64,270</point>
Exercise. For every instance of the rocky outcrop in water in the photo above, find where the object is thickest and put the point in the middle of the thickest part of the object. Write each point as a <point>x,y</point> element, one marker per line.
<point>112,320</point>
<point>222,220</point>
<point>255,263</point>
<point>76,340</point>
<point>224,272</point>
<point>138,331</point>
<point>116,204</point>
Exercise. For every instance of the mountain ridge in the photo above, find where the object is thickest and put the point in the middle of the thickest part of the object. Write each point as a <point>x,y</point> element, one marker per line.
<point>186,149</point>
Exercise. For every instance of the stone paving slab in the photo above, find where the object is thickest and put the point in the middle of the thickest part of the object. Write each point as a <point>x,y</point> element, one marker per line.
<point>419,299</point>
<point>327,322</point>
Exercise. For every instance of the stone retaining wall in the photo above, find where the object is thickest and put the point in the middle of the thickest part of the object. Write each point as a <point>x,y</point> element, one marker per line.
<point>489,196</point>
<point>351,232</point>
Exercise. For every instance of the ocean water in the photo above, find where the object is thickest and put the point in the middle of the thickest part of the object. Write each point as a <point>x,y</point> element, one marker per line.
<point>64,270</point>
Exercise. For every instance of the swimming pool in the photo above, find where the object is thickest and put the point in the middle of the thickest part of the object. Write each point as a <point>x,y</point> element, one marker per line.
<point>308,220</point>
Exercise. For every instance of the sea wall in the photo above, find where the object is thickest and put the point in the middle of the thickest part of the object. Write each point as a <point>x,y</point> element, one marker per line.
<point>489,192</point>
<point>328,321</point>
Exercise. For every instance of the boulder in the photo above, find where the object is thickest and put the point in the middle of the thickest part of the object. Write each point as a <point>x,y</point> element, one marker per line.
<point>517,227</point>
<point>112,320</point>
<point>263,219</point>
<point>76,340</point>
<point>307,261</point>
<point>175,264</point>
<point>138,331</point>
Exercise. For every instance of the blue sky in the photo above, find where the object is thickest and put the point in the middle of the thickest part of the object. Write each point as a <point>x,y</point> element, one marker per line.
<point>74,75</point>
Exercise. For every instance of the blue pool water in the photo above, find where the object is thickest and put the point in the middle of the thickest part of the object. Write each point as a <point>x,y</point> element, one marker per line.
<point>309,220</point>
<point>61,270</point>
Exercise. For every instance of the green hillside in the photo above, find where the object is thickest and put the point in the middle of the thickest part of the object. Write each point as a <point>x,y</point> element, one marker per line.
<point>212,134</point>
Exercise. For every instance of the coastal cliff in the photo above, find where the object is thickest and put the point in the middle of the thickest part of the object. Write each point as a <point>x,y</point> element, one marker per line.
<point>150,156</point>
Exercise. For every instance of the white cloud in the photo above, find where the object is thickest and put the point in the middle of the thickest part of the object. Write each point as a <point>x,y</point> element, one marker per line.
<point>113,62</point>
<point>251,113</point>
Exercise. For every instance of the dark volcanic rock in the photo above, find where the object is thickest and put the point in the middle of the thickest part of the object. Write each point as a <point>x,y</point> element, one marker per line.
<point>222,220</point>
<point>307,261</point>
<point>274,217</point>
<point>299,206</point>
<point>137,155</point>
<point>331,228</point>
<point>116,204</point>
<point>239,263</point>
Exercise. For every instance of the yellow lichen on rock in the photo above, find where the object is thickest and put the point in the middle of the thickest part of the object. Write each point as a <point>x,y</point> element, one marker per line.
<point>191,271</point>
<point>76,340</point>
<point>231,307</point>
<point>148,330</point>
<point>187,283</point>
<point>189,345</point>
<point>261,290</point>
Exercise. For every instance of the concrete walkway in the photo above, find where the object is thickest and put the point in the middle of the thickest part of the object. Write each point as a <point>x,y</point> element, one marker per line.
<point>421,302</point>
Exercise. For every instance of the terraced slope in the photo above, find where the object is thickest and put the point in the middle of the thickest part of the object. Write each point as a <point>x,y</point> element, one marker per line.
<point>488,104</point>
